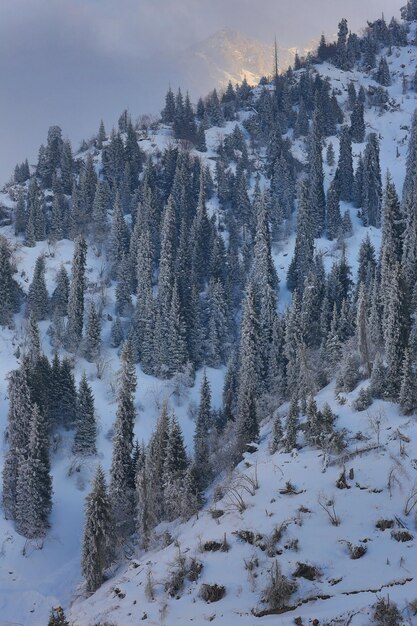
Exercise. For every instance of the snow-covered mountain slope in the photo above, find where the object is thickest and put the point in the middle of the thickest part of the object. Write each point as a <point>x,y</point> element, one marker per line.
<point>381,453</point>
<point>282,505</point>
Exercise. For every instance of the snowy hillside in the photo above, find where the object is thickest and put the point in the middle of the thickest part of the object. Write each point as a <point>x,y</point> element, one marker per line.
<point>281,506</point>
<point>338,523</point>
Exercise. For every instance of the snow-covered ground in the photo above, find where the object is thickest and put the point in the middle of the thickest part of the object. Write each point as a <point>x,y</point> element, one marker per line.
<point>37,575</point>
<point>383,477</point>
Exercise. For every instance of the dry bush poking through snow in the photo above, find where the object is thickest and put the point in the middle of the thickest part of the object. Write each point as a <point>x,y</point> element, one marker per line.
<point>386,613</point>
<point>279,589</point>
<point>328,505</point>
<point>212,593</point>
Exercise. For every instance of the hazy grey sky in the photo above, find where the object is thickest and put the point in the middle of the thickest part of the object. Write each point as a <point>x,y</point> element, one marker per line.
<point>72,62</point>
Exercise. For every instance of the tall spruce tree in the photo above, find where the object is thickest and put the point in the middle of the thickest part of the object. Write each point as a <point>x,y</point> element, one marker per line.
<point>372,186</point>
<point>304,242</point>
<point>76,295</point>
<point>85,425</point>
<point>121,472</point>
<point>19,418</point>
<point>98,539</point>
<point>204,425</point>
<point>344,174</point>
<point>317,202</point>
<point>10,293</point>
<point>92,342</point>
<point>395,329</point>
<point>34,484</point>
<point>408,389</point>
<point>247,427</point>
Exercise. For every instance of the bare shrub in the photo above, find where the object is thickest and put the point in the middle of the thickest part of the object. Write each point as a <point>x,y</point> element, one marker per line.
<point>177,574</point>
<point>304,570</point>
<point>149,587</point>
<point>411,501</point>
<point>355,551</point>
<point>383,524</point>
<point>402,535</point>
<point>248,536</point>
<point>375,420</point>
<point>279,589</point>
<point>102,364</point>
<point>216,546</point>
<point>212,593</point>
<point>341,482</point>
<point>194,569</point>
<point>386,613</point>
<point>328,505</point>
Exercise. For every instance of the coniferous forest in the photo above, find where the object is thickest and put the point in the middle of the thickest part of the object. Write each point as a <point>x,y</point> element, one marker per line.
<point>248,265</point>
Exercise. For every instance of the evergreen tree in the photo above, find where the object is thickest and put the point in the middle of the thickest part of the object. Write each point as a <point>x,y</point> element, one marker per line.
<point>116,333</point>
<point>58,211</point>
<point>92,334</point>
<point>291,426</point>
<point>301,126</point>
<point>60,295</point>
<point>277,434</point>
<point>19,418</point>
<point>344,174</point>
<point>392,235</point>
<point>88,184</point>
<point>378,377</point>
<point>317,204</point>
<point>67,394</point>
<point>395,329</point>
<point>362,334</point>
<point>330,155</point>
<point>33,340</point>
<point>358,184</point>
<point>352,95</point>
<point>20,216</point>
<point>76,295</point>
<point>100,211</point>
<point>101,135</point>
<point>204,424</point>
<point>372,186</point>
<point>38,295</point>
<point>9,289</point>
<point>218,325</point>
<point>168,113</point>
<point>124,287</point>
<point>366,264</point>
<point>144,313</point>
<point>342,59</point>
<point>357,123</point>
<point>34,484</point>
<point>334,219</point>
<point>150,479</point>
<point>177,340</point>
<point>304,242</point>
<point>230,387</point>
<point>265,279</point>
<point>408,389</point>
<point>121,472</point>
<point>98,534</point>
<point>86,430</point>
<point>175,466</point>
<point>382,75</point>
<point>119,235</point>
<point>249,373</point>
<point>409,205</point>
